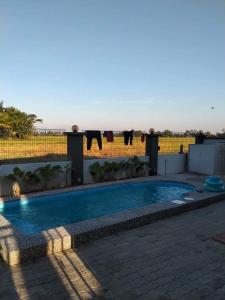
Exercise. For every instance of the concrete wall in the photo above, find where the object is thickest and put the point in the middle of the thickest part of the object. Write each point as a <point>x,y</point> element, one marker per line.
<point>220,159</point>
<point>6,184</point>
<point>171,164</point>
<point>8,169</point>
<point>88,162</point>
<point>207,159</point>
<point>167,164</point>
<point>201,159</point>
<point>214,141</point>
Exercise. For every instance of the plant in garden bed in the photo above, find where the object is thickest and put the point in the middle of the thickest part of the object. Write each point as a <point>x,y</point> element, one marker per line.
<point>133,167</point>
<point>31,178</point>
<point>47,172</point>
<point>97,171</point>
<point>136,166</point>
<point>22,179</point>
<point>17,176</point>
<point>108,171</point>
<point>67,172</point>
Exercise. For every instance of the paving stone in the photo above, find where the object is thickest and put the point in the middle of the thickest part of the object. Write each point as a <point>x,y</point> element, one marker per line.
<point>170,259</point>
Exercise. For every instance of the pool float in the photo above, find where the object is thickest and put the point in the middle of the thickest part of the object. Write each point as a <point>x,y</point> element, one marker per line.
<point>214,184</point>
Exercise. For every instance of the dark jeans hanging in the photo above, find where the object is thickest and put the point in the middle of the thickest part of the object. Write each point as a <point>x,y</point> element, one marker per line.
<point>93,134</point>
<point>128,136</point>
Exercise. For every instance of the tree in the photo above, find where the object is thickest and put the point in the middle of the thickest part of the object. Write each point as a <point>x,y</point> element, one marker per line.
<point>221,134</point>
<point>167,133</point>
<point>14,122</point>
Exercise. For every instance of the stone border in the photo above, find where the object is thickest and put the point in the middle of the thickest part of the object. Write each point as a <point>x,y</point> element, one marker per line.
<point>16,248</point>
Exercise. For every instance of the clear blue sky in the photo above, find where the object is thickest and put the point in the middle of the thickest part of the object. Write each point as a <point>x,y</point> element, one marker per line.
<point>115,64</point>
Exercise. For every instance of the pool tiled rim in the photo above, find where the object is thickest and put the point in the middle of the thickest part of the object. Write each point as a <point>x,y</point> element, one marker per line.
<point>16,248</point>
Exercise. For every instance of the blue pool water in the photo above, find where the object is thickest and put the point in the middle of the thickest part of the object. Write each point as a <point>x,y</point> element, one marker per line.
<point>41,213</point>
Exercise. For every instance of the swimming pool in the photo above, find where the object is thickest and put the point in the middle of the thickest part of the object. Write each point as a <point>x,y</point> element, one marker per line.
<point>41,213</point>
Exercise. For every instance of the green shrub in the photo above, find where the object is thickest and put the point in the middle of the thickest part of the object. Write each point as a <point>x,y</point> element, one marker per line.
<point>133,167</point>
<point>47,172</point>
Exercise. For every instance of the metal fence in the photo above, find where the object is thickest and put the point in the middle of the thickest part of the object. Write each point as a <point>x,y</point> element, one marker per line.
<point>44,145</point>
<point>117,148</point>
<point>50,145</point>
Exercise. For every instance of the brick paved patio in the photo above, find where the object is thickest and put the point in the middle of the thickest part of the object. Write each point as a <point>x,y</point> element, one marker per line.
<point>170,259</point>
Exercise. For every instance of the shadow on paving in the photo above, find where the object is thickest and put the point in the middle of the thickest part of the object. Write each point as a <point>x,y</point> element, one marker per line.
<point>57,276</point>
<point>174,258</point>
<point>53,277</point>
<point>170,259</point>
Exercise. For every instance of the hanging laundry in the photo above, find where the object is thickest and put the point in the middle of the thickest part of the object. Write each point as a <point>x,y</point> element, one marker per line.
<point>142,137</point>
<point>128,136</point>
<point>93,134</point>
<point>108,135</point>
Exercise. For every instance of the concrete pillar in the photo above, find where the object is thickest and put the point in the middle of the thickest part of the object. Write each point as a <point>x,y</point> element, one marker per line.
<point>199,138</point>
<point>76,156</point>
<point>151,150</point>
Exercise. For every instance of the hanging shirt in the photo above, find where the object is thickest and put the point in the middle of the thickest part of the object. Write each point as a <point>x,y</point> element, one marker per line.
<point>108,135</point>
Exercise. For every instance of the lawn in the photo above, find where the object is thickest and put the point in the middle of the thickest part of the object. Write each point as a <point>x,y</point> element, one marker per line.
<point>48,148</point>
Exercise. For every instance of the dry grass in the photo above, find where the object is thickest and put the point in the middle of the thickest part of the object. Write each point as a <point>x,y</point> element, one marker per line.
<point>48,148</point>
<point>117,148</point>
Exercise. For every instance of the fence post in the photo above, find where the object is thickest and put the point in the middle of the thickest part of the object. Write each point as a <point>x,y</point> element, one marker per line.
<point>151,150</point>
<point>76,156</point>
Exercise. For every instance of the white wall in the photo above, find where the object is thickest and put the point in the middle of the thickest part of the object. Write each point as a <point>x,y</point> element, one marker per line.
<point>219,159</point>
<point>201,158</point>
<point>167,164</point>
<point>171,164</point>
<point>214,141</point>
<point>88,162</point>
<point>6,184</point>
<point>8,169</point>
<point>207,159</point>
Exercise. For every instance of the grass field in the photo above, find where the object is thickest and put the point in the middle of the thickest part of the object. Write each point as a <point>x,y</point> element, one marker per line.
<point>48,148</point>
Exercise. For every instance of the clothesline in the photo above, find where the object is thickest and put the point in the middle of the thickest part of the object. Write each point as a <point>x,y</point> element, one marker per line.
<point>109,135</point>
<point>116,131</point>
